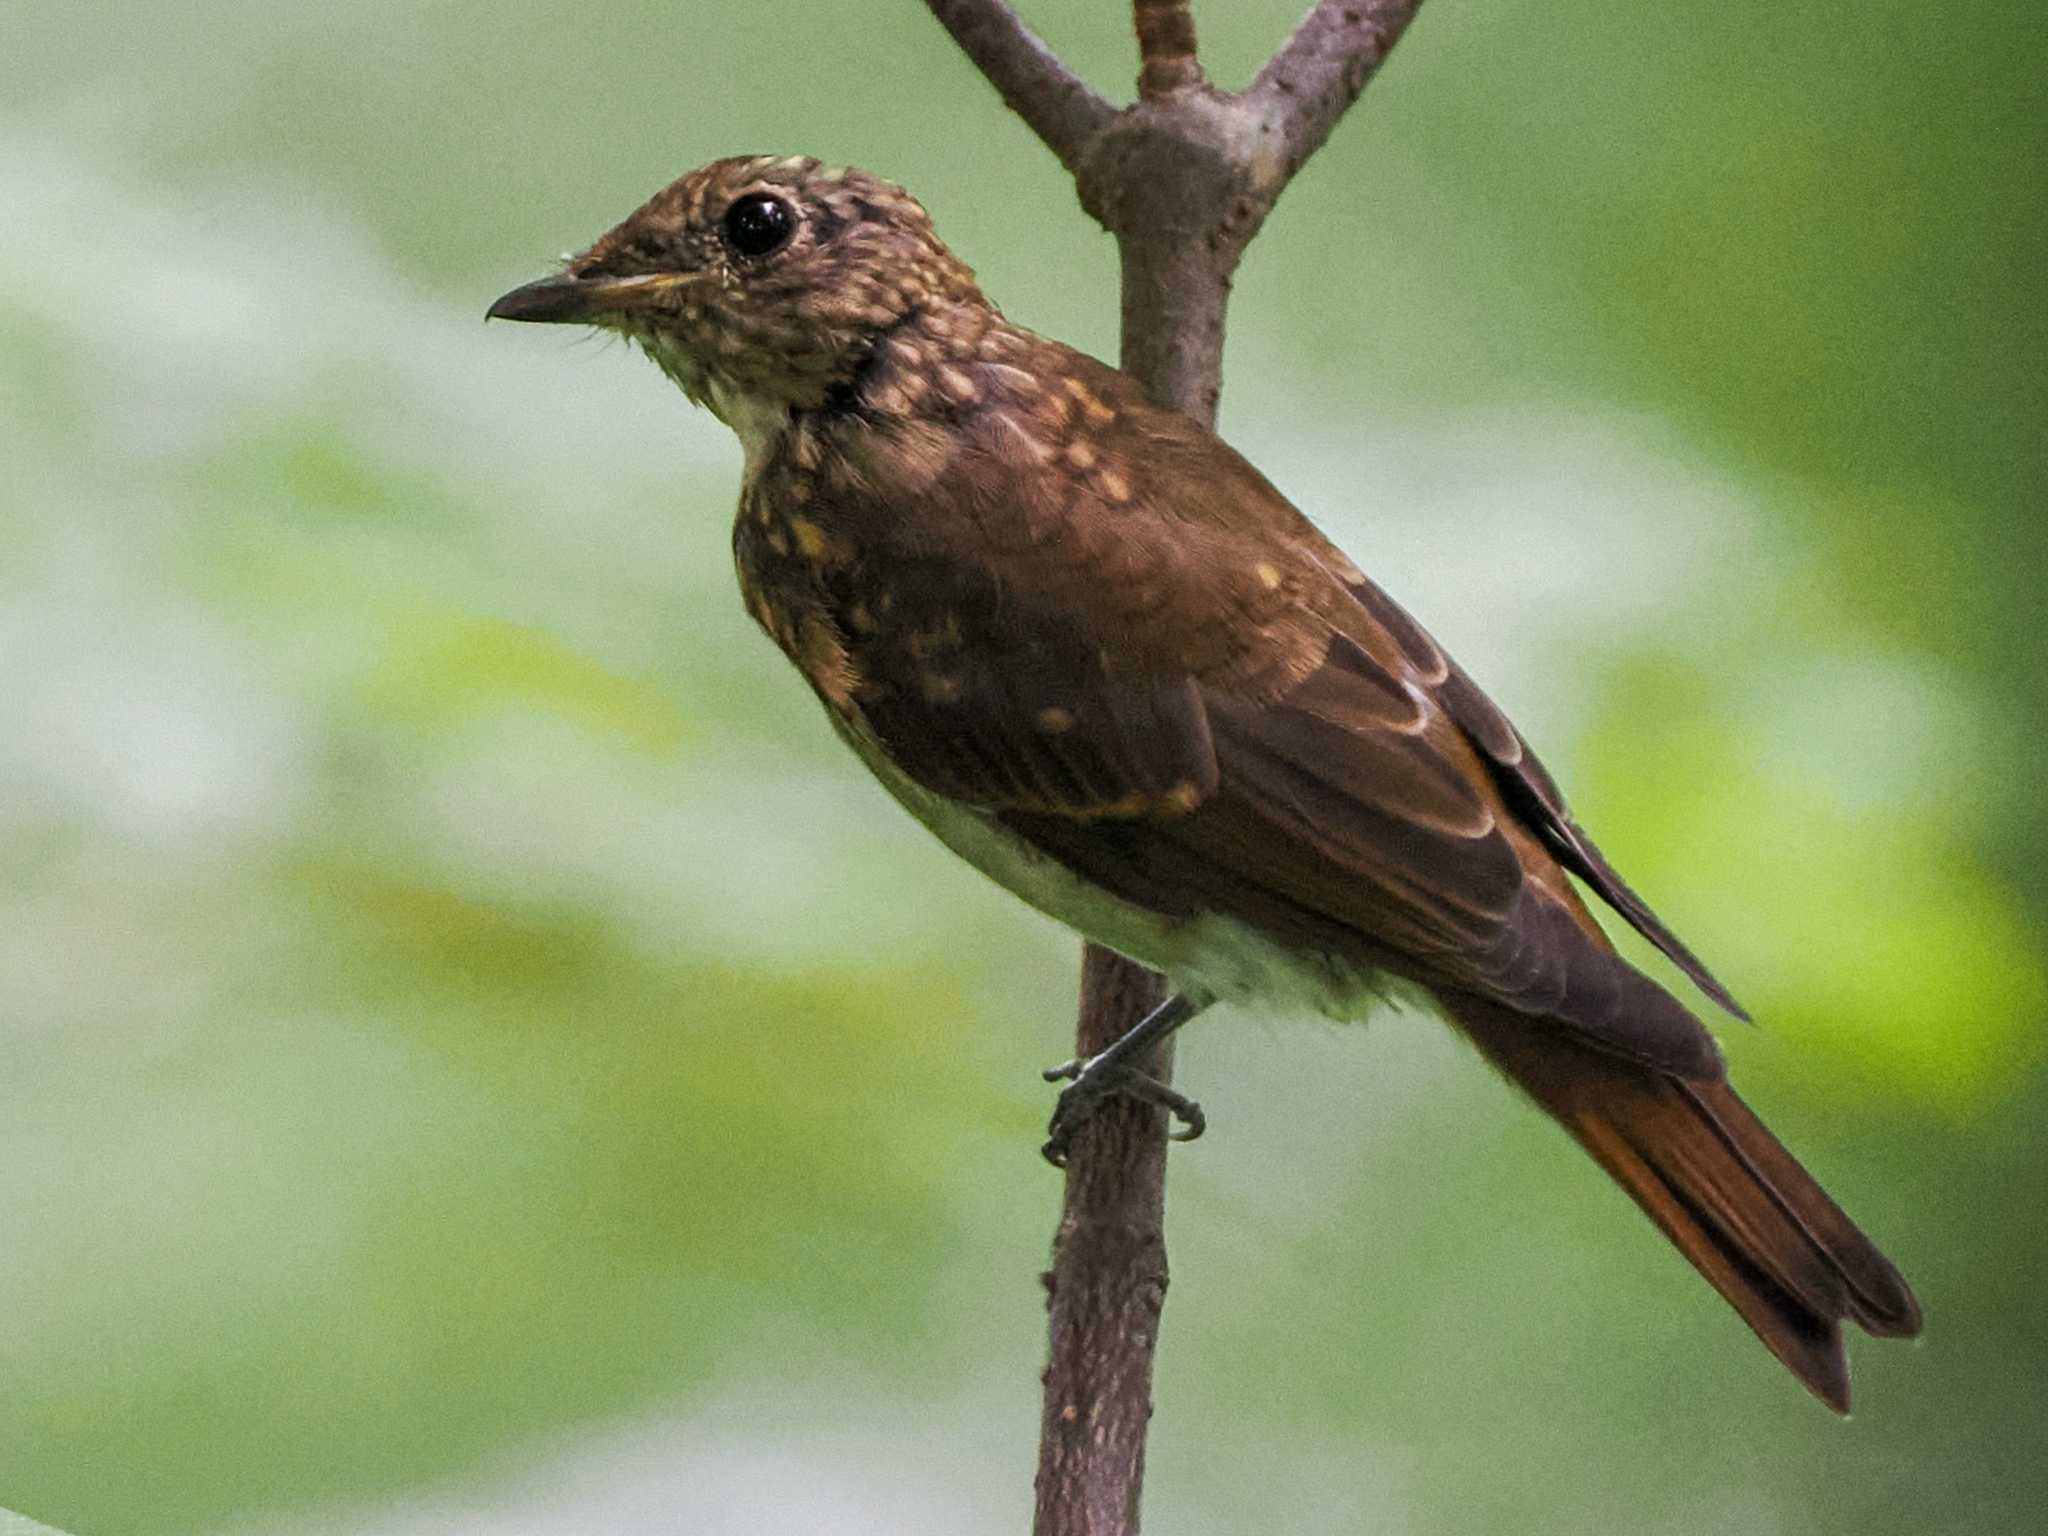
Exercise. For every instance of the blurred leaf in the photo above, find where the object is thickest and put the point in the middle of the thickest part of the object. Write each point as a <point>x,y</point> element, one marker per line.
<point>1867,933</point>
<point>444,668</point>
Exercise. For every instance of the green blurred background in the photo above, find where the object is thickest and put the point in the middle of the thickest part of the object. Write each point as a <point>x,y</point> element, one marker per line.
<point>476,1057</point>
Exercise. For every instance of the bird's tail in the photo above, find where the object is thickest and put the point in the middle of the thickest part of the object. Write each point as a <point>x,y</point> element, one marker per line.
<point>1722,1188</point>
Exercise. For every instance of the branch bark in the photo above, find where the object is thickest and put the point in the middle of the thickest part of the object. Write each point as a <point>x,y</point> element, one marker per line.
<point>1168,57</point>
<point>1057,105</point>
<point>1107,1284</point>
<point>1320,71</point>
<point>1183,178</point>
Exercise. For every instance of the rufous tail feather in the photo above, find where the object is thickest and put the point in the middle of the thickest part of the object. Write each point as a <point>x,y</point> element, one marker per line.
<point>1722,1188</point>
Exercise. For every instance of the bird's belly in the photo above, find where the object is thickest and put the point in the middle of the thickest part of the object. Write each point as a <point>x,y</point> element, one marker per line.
<point>1209,956</point>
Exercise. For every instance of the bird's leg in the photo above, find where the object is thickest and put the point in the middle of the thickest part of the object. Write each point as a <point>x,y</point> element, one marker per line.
<point>1115,1071</point>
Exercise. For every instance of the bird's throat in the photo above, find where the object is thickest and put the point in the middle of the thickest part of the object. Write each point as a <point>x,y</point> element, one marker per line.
<point>756,421</point>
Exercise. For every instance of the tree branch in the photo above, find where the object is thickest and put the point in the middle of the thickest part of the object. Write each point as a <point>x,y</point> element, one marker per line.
<point>1316,76</point>
<point>1166,47</point>
<point>1107,1284</point>
<point>1183,179</point>
<point>1056,103</point>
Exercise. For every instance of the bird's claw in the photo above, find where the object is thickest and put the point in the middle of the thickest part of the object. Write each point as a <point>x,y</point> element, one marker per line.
<point>1094,1083</point>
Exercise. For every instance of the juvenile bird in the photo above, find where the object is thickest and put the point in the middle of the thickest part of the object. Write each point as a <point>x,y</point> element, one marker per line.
<point>1092,649</point>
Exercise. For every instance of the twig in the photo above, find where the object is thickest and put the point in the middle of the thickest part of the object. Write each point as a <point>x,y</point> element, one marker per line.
<point>1166,47</point>
<point>1312,81</point>
<point>1057,104</point>
<point>1183,179</point>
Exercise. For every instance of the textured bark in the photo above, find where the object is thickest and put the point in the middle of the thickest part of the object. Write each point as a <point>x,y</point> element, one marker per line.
<point>1183,178</point>
<point>1168,57</point>
<point>1054,103</point>
<point>1313,80</point>
<point>1106,1287</point>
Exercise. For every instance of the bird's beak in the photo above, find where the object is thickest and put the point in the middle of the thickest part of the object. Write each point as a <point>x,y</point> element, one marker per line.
<point>566,299</point>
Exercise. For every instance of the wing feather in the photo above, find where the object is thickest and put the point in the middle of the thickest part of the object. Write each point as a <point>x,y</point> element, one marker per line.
<point>1529,788</point>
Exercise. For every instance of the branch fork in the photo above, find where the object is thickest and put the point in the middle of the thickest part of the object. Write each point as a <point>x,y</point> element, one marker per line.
<point>1266,132</point>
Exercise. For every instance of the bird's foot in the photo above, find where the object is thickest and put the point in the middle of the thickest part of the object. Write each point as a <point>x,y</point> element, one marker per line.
<point>1095,1082</point>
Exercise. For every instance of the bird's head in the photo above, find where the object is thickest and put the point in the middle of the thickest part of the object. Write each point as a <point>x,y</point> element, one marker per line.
<point>759,284</point>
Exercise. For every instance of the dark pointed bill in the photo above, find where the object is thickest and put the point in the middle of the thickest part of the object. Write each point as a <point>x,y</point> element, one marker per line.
<point>561,298</point>
<point>566,299</point>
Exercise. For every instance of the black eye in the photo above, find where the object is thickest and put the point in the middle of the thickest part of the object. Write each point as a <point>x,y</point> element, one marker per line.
<point>758,224</point>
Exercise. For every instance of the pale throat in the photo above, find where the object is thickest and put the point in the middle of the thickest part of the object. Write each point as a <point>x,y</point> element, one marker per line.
<point>757,420</point>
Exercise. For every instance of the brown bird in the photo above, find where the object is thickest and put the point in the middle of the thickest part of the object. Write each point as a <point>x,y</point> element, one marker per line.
<point>1094,651</point>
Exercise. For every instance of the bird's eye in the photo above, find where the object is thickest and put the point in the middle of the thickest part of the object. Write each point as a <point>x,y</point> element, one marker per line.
<point>758,224</point>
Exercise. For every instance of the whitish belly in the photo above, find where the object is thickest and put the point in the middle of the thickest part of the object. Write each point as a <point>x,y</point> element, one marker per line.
<point>1206,957</point>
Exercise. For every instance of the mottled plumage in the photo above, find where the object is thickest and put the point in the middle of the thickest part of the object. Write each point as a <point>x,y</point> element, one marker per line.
<point>1101,657</point>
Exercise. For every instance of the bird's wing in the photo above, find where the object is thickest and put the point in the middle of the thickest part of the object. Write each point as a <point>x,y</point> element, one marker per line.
<point>1352,816</point>
<point>1170,682</point>
<point>1526,785</point>
<point>1009,710</point>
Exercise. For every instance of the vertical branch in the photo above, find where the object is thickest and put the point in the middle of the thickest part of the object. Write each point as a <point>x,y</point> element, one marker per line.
<point>1183,178</point>
<point>1107,1285</point>
<point>1166,47</point>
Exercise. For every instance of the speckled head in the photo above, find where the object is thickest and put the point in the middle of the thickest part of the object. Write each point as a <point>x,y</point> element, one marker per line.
<point>757,283</point>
